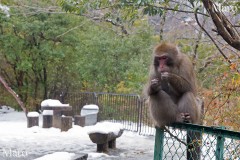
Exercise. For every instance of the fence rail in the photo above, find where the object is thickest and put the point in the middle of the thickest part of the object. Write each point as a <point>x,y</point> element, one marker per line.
<point>127,109</point>
<point>216,143</point>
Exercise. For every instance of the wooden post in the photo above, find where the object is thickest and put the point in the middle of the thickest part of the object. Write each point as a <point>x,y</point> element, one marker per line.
<point>79,120</point>
<point>47,118</point>
<point>102,147</point>
<point>57,118</point>
<point>159,139</point>
<point>32,119</point>
<point>112,144</point>
<point>66,123</point>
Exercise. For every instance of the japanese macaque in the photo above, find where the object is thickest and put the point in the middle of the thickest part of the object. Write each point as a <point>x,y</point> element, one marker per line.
<point>172,87</point>
<point>172,93</point>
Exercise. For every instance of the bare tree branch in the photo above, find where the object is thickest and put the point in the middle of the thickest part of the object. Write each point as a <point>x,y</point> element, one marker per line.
<point>201,26</point>
<point>177,10</point>
<point>199,38</point>
<point>70,30</point>
<point>214,42</point>
<point>119,25</point>
<point>223,25</point>
<point>207,61</point>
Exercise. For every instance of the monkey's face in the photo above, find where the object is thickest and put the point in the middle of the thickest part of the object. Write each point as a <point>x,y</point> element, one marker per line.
<point>163,63</point>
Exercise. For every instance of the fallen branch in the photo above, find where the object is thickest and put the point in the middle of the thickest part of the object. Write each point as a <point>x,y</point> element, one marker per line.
<point>14,94</point>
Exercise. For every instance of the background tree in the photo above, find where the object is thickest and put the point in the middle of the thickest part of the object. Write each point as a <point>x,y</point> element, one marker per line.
<point>45,52</point>
<point>208,31</point>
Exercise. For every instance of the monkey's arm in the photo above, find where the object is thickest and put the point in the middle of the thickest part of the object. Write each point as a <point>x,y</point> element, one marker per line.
<point>180,84</point>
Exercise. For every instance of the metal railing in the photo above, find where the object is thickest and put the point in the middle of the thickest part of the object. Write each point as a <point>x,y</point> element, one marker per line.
<point>127,109</point>
<point>215,143</point>
<point>132,111</point>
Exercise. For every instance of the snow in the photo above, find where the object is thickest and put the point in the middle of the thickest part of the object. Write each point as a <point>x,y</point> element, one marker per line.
<point>33,114</point>
<point>91,106</point>
<point>46,143</point>
<point>6,109</point>
<point>96,155</point>
<point>52,103</point>
<point>57,156</point>
<point>47,112</point>
<point>89,109</point>
<point>105,128</point>
<point>5,9</point>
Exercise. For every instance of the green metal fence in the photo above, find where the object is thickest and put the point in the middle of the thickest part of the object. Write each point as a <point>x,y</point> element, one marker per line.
<point>215,143</point>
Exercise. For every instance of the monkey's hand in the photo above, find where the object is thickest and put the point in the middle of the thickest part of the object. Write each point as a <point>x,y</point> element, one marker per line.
<point>155,86</point>
<point>166,75</point>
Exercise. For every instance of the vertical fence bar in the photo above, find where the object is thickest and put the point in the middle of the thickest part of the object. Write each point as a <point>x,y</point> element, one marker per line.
<point>158,148</point>
<point>220,146</point>
<point>95,98</point>
<point>139,114</point>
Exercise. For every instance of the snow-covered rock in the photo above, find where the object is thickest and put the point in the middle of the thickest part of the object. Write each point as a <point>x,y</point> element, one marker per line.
<point>6,109</point>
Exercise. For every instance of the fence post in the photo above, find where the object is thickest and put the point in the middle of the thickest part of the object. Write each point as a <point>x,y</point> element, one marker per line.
<point>158,148</point>
<point>96,98</point>
<point>99,117</point>
<point>220,145</point>
<point>139,106</point>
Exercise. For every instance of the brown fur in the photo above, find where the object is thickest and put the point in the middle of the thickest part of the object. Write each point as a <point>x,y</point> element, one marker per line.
<point>172,92</point>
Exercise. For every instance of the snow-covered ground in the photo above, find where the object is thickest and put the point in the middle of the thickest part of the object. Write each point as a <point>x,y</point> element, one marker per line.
<point>17,142</point>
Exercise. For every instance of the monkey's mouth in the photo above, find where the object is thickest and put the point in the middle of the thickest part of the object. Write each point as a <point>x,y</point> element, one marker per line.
<point>164,71</point>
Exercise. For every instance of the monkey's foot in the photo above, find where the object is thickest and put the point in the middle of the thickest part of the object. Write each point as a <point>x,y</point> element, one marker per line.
<point>186,117</point>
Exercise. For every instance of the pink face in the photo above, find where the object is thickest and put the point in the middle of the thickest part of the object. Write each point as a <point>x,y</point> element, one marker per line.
<point>161,63</point>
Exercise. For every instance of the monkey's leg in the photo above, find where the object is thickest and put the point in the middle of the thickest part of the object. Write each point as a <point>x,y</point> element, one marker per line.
<point>162,108</point>
<point>188,111</point>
